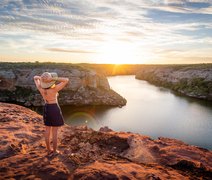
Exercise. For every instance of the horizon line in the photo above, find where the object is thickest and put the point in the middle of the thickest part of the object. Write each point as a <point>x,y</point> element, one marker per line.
<point>51,62</point>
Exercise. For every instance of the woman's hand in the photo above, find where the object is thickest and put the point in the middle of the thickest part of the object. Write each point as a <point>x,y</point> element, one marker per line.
<point>36,77</point>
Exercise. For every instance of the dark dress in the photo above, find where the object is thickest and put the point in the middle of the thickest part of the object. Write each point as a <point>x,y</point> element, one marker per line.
<point>52,115</point>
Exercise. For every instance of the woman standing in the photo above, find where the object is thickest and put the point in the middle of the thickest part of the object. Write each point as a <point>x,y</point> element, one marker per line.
<point>52,115</point>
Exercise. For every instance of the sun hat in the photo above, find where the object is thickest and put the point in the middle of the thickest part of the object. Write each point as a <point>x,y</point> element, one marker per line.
<point>44,79</point>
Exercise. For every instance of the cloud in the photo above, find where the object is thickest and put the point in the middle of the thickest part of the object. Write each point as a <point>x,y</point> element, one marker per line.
<point>68,51</point>
<point>76,25</point>
<point>78,18</point>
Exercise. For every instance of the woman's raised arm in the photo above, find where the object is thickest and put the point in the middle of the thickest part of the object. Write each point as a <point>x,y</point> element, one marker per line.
<point>63,81</point>
<point>37,81</point>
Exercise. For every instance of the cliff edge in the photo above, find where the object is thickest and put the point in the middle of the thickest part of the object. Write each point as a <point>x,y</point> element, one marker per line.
<point>89,154</point>
<point>190,80</point>
<point>86,86</point>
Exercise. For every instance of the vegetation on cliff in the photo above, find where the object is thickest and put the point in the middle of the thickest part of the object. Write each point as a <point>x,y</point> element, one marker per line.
<point>190,80</point>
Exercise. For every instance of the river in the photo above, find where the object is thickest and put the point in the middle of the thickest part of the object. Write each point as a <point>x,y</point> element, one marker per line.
<point>151,111</point>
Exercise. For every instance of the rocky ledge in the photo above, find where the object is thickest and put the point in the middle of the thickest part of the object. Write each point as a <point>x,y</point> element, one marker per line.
<point>190,80</point>
<point>89,154</point>
<point>86,86</point>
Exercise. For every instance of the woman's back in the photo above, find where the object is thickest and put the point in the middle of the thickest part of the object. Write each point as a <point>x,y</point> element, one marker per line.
<point>49,95</point>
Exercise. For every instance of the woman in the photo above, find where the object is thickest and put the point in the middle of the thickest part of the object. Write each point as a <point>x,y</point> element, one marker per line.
<point>52,115</point>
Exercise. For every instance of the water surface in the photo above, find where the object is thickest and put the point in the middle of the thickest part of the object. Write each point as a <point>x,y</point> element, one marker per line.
<point>151,111</point>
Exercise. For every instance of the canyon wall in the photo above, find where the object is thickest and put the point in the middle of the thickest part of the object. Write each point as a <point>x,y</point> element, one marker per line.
<point>193,81</point>
<point>85,87</point>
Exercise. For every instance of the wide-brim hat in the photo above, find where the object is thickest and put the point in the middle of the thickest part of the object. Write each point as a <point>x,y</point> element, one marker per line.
<point>46,85</point>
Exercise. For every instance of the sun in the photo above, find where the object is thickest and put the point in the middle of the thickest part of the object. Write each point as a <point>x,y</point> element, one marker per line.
<point>115,52</point>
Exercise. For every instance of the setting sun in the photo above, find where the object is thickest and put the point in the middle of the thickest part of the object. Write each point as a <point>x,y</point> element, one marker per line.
<point>115,52</point>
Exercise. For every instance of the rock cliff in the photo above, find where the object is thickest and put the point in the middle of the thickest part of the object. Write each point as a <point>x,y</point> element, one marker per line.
<point>89,154</point>
<point>86,86</point>
<point>190,80</point>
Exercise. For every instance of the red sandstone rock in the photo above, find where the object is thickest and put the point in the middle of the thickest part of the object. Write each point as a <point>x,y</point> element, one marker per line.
<point>125,170</point>
<point>90,154</point>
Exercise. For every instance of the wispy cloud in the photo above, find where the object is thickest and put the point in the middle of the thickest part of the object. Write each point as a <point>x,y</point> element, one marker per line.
<point>82,26</point>
<point>69,51</point>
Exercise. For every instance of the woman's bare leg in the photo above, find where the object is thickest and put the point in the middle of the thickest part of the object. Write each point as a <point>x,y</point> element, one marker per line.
<point>47,137</point>
<point>54,137</point>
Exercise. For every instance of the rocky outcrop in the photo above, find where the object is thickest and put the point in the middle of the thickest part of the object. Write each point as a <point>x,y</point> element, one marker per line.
<point>86,86</point>
<point>193,81</point>
<point>89,154</point>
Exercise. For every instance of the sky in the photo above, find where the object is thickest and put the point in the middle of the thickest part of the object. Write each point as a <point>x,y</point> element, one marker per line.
<point>106,31</point>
